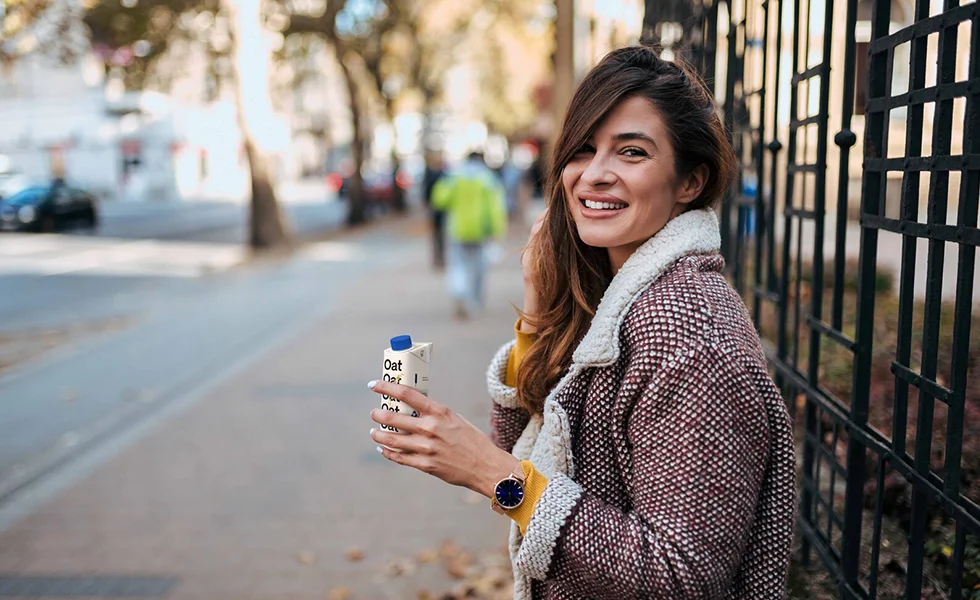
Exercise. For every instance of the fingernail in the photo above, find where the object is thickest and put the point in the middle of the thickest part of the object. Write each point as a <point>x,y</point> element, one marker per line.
<point>378,448</point>
<point>372,431</point>
<point>371,384</point>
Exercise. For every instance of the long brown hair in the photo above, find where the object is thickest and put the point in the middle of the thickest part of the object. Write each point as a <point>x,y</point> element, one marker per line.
<point>569,276</point>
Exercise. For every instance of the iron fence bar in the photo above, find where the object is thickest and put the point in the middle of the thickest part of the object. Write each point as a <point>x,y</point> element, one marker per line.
<point>831,332</point>
<point>808,73</point>
<point>833,487</point>
<point>726,224</point>
<point>872,192</point>
<point>804,168</point>
<point>948,233</point>
<point>759,218</point>
<point>710,44</point>
<point>809,120</point>
<point>774,146</point>
<point>845,591</point>
<point>782,350</point>
<point>802,213</point>
<point>827,453</point>
<point>819,206</point>
<point>921,382</point>
<point>921,29</point>
<point>844,139</point>
<point>910,204</point>
<point>876,529</point>
<point>942,91</point>
<point>927,163</point>
<point>962,311</point>
<point>798,296</point>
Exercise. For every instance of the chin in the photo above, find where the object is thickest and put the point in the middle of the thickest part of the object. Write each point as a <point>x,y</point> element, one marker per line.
<point>598,236</point>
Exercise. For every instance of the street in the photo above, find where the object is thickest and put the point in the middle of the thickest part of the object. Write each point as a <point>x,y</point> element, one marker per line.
<point>209,431</point>
<point>309,207</point>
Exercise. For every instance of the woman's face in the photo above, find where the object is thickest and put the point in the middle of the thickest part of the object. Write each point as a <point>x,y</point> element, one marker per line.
<point>621,186</point>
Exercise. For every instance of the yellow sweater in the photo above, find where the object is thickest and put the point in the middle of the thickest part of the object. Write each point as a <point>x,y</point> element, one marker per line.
<point>535,482</point>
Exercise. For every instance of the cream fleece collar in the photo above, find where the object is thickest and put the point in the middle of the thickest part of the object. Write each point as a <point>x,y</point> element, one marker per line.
<point>693,232</point>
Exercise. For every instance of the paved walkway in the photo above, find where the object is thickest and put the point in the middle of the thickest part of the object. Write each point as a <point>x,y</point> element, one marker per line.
<point>266,484</point>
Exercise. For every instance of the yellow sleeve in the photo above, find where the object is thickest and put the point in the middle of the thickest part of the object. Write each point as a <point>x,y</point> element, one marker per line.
<point>524,341</point>
<point>534,485</point>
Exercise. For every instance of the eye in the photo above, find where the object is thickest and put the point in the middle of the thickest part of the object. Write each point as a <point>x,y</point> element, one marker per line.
<point>634,152</point>
<point>585,149</point>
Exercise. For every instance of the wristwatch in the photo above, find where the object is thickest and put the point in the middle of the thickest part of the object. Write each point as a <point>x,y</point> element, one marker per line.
<point>509,491</point>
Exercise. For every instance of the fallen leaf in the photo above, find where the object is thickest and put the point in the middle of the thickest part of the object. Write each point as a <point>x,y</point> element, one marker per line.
<point>340,593</point>
<point>399,567</point>
<point>306,557</point>
<point>355,554</point>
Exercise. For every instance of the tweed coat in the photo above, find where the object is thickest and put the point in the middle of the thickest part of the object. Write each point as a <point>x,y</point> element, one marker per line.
<point>668,448</point>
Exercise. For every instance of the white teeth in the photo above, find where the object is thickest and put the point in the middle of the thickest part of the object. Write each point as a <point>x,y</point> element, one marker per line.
<point>603,205</point>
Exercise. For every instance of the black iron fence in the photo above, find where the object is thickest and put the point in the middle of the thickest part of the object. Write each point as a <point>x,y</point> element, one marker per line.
<point>852,235</point>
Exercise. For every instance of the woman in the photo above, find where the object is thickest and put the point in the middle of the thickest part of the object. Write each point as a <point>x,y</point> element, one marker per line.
<point>638,442</point>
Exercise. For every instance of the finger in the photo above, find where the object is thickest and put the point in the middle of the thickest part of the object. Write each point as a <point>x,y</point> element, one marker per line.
<point>404,458</point>
<point>402,442</point>
<point>409,396</point>
<point>396,420</point>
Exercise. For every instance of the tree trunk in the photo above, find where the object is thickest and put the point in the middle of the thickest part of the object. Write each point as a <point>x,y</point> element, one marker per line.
<point>267,226</point>
<point>356,202</point>
<point>400,205</point>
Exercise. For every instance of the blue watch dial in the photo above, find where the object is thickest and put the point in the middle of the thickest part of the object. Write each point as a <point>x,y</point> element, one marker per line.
<point>509,493</point>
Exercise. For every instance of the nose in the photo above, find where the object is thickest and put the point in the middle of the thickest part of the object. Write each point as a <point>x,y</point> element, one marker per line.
<point>597,173</point>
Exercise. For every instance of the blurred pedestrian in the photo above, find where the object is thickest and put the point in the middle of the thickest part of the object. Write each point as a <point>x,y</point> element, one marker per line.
<point>511,175</point>
<point>435,168</point>
<point>473,199</point>
<point>637,441</point>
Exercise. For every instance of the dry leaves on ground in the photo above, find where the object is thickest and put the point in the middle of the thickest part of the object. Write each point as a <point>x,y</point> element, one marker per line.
<point>355,554</point>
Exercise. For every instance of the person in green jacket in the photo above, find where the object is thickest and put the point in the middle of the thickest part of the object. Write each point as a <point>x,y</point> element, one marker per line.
<point>473,200</point>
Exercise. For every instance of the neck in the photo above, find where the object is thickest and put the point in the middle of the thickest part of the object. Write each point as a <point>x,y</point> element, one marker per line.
<point>620,254</point>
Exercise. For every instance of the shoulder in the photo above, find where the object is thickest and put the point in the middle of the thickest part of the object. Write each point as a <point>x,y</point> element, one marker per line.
<point>690,307</point>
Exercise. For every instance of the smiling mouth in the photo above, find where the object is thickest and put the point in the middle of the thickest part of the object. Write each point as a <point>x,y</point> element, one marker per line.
<point>603,205</point>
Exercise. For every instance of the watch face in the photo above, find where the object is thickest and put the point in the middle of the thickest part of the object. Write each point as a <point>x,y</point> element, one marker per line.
<point>509,493</point>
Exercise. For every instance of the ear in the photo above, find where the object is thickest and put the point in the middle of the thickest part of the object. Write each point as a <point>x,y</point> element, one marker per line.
<point>692,185</point>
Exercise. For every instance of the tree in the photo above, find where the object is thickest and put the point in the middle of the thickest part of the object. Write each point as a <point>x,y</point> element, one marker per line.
<point>51,28</point>
<point>133,37</point>
<point>322,21</point>
<point>250,60</point>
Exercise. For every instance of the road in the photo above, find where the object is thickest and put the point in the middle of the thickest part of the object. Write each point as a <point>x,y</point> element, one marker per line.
<point>218,437</point>
<point>309,208</point>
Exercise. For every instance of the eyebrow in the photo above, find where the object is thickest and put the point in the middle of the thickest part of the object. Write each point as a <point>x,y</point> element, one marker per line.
<point>635,135</point>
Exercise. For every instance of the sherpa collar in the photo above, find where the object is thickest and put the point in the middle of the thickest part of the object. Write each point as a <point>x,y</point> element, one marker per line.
<point>693,232</point>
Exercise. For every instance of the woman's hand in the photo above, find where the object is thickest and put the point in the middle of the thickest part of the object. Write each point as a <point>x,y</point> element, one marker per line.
<point>530,294</point>
<point>439,442</point>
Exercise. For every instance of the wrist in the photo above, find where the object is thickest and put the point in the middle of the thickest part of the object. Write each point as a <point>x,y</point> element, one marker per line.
<point>500,467</point>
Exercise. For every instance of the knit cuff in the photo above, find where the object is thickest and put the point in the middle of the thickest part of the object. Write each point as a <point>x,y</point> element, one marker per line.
<point>550,514</point>
<point>504,395</point>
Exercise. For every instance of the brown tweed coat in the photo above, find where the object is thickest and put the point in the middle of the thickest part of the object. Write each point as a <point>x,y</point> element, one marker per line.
<point>668,447</point>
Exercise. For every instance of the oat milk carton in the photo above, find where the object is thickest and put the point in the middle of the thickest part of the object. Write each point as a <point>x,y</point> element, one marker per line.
<point>408,364</point>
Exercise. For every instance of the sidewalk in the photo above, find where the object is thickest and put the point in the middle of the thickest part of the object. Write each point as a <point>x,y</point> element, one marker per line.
<point>268,485</point>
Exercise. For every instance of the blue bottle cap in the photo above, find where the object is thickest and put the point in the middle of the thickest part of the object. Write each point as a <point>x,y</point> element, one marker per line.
<point>401,342</point>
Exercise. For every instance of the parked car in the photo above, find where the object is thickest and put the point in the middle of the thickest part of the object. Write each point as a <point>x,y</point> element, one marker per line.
<point>379,185</point>
<point>47,208</point>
